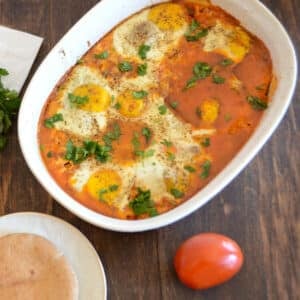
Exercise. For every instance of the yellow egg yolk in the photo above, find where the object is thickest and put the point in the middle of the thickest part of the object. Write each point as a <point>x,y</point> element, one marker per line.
<point>129,106</point>
<point>230,41</point>
<point>209,110</point>
<point>104,185</point>
<point>98,99</point>
<point>168,16</point>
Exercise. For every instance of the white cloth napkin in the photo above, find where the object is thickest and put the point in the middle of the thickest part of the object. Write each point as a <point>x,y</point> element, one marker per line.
<point>18,51</point>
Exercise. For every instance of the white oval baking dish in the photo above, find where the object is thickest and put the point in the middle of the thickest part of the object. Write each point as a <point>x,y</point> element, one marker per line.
<point>89,29</point>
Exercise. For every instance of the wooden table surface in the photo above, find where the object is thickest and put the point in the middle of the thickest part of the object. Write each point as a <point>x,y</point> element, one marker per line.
<point>260,209</point>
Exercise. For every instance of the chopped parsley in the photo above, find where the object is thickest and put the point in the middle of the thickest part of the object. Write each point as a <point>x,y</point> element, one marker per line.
<point>125,66</point>
<point>145,154</point>
<point>143,50</point>
<point>162,109</point>
<point>101,152</point>
<point>167,143</point>
<point>226,62</point>
<point>75,154</point>
<point>142,69</point>
<point>77,100</point>
<point>190,83</point>
<point>9,106</point>
<point>102,55</point>
<point>139,94</point>
<point>171,156</point>
<point>206,166</point>
<point>195,32</point>
<point>201,70</point>
<point>112,135</point>
<point>174,104</point>
<point>137,147</point>
<point>205,142</point>
<point>218,79</point>
<point>79,154</point>
<point>143,204</point>
<point>117,106</point>
<point>50,154</point>
<point>49,123</point>
<point>146,132</point>
<point>111,188</point>
<point>177,193</point>
<point>190,169</point>
<point>257,103</point>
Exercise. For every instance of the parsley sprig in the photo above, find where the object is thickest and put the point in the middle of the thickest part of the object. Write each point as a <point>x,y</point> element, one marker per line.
<point>201,70</point>
<point>143,204</point>
<point>195,32</point>
<point>257,103</point>
<point>79,154</point>
<point>9,106</point>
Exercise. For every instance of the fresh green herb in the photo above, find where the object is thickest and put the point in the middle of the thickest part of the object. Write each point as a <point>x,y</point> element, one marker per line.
<point>202,70</point>
<point>125,66</point>
<point>117,106</point>
<point>174,104</point>
<point>195,32</point>
<point>145,153</point>
<point>162,109</point>
<point>79,154</point>
<point>167,143</point>
<point>177,193</point>
<point>218,79</point>
<point>190,169</point>
<point>137,147</point>
<point>171,156</point>
<point>206,166</point>
<point>146,132</point>
<point>77,100</point>
<point>50,154</point>
<point>227,117</point>
<point>9,106</point>
<point>101,152</point>
<point>113,135</point>
<point>136,142</point>
<point>75,154</point>
<point>49,123</point>
<point>190,83</point>
<point>143,204</point>
<point>143,50</point>
<point>113,188</point>
<point>139,94</point>
<point>102,192</point>
<point>205,142</point>
<point>226,62</point>
<point>79,62</point>
<point>3,72</point>
<point>102,55</point>
<point>142,69</point>
<point>257,103</point>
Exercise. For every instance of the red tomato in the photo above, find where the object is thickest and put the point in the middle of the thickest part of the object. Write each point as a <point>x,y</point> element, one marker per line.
<point>208,259</point>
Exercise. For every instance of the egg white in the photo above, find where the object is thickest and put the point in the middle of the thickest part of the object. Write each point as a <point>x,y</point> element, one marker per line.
<point>138,30</point>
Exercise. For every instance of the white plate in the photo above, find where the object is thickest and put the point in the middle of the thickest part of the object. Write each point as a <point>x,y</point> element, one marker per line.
<point>70,241</point>
<point>94,25</point>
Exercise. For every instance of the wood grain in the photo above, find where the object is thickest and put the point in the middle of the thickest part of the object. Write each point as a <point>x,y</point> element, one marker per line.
<point>259,209</point>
